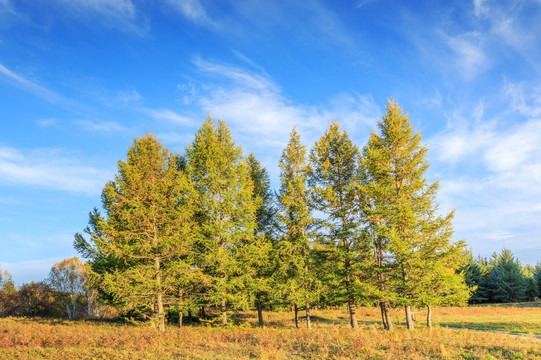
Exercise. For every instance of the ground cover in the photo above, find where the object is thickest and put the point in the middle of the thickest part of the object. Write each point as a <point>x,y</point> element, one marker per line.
<point>330,338</point>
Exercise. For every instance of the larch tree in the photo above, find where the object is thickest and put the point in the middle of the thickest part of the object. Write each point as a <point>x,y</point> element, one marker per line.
<point>440,279</point>
<point>402,206</point>
<point>334,163</point>
<point>226,213</point>
<point>294,249</point>
<point>259,252</point>
<point>142,246</point>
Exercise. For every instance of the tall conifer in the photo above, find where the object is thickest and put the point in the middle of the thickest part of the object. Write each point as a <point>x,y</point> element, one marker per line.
<point>141,248</point>
<point>334,186</point>
<point>258,255</point>
<point>295,248</point>
<point>402,209</point>
<point>226,212</point>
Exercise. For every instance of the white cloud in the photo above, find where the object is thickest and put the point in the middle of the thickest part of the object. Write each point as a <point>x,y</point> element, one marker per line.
<point>491,171</point>
<point>433,101</point>
<point>119,14</point>
<point>525,99</point>
<point>241,77</point>
<point>362,3</point>
<point>263,117</point>
<point>514,24</point>
<point>470,56</point>
<point>50,122</point>
<point>106,126</point>
<point>167,115</point>
<point>192,9</point>
<point>479,7</point>
<point>51,169</point>
<point>33,88</point>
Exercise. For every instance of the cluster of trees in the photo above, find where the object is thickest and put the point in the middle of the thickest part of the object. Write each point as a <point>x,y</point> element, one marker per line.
<point>65,293</point>
<point>179,233</point>
<point>502,278</point>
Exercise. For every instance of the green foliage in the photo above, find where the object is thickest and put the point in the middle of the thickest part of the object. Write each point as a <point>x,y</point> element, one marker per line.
<point>505,281</point>
<point>333,180</point>
<point>298,283</point>
<point>416,260</point>
<point>258,257</point>
<point>141,249</point>
<point>502,279</point>
<point>226,212</point>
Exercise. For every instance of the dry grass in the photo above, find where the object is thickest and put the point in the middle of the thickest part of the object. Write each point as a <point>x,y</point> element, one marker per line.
<point>331,338</point>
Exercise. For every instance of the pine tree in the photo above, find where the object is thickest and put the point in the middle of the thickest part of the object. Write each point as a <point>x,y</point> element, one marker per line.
<point>401,210</point>
<point>141,248</point>
<point>226,213</point>
<point>505,281</point>
<point>297,280</point>
<point>538,277</point>
<point>334,177</point>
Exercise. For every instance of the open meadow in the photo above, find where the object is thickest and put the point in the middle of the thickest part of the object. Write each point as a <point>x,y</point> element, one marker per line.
<point>330,337</point>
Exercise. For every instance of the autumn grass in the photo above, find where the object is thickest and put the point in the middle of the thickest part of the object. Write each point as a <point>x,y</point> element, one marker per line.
<point>330,338</point>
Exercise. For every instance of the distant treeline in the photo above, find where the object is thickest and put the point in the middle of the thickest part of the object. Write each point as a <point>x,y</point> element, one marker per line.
<point>66,292</point>
<point>501,278</point>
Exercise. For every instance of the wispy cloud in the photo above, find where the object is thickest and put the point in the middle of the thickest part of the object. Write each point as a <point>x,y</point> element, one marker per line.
<point>469,54</point>
<point>261,116</point>
<point>193,10</point>
<point>8,13</point>
<point>514,24</point>
<point>118,14</point>
<point>49,122</point>
<point>305,22</point>
<point>24,84</point>
<point>50,169</point>
<point>363,3</point>
<point>167,115</point>
<point>104,126</point>
<point>490,169</point>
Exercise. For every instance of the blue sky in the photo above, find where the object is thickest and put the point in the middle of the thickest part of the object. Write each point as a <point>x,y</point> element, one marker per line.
<point>79,79</point>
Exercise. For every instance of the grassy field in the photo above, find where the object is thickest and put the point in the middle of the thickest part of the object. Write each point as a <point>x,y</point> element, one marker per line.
<point>330,338</point>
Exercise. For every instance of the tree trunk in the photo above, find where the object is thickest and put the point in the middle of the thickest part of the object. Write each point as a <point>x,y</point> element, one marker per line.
<point>73,304</point>
<point>296,316</point>
<point>429,317</point>
<point>202,313</point>
<point>190,316</point>
<point>223,311</point>
<point>90,303</point>
<point>180,317</point>
<point>68,310</point>
<point>409,319</point>
<point>351,301</point>
<point>180,314</point>
<point>386,318</point>
<point>260,312</point>
<point>383,318</point>
<point>352,317</point>
<point>161,315</point>
<point>159,296</point>
<point>308,323</point>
